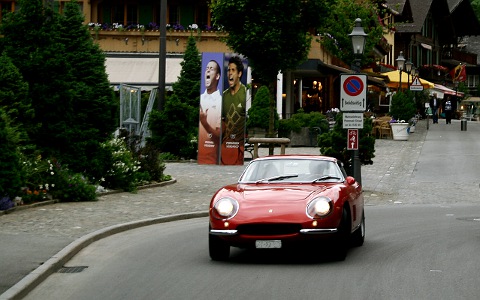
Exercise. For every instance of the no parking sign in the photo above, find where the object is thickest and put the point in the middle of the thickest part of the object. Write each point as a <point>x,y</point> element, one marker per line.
<point>353,95</point>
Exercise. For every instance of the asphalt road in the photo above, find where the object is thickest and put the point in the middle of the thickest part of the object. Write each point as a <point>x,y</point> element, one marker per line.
<point>439,168</point>
<point>411,252</point>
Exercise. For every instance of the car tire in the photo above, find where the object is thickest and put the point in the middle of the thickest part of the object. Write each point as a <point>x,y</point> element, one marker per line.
<point>343,237</point>
<point>218,249</point>
<point>358,236</point>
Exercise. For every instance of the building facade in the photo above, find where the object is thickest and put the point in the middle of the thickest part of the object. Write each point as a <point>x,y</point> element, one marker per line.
<point>429,33</point>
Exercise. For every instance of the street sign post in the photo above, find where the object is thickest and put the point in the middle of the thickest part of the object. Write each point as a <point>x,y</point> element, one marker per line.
<point>353,102</point>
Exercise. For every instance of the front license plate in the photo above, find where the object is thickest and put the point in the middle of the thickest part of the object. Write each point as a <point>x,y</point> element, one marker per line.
<point>268,244</point>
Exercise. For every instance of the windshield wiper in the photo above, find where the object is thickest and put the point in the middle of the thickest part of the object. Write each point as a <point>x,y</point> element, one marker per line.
<point>325,177</point>
<point>278,177</point>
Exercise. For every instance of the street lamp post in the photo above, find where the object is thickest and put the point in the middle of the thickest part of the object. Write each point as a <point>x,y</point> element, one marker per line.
<point>400,65</point>
<point>358,37</point>
<point>408,69</point>
<point>162,55</point>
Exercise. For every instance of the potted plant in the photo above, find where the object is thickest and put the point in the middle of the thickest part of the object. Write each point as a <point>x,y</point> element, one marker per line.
<point>402,110</point>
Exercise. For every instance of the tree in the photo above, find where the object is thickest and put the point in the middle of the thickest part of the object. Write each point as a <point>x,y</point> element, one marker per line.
<point>187,88</point>
<point>11,176</point>
<point>176,126</point>
<point>273,35</point>
<point>169,133</point>
<point>69,88</point>
<point>339,24</point>
<point>476,7</point>
<point>95,108</point>
<point>259,112</point>
<point>14,95</point>
<point>30,39</point>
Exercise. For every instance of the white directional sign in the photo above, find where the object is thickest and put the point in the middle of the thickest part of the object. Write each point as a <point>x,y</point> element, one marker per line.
<point>353,92</point>
<point>352,120</point>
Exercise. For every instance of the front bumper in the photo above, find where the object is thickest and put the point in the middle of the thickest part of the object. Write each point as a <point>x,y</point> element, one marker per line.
<point>302,231</point>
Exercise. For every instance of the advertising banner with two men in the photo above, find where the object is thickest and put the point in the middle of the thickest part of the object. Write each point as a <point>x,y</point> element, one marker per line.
<point>223,94</point>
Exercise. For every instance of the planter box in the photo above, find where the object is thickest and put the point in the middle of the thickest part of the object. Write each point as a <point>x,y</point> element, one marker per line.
<point>399,131</point>
<point>257,132</point>
<point>304,138</point>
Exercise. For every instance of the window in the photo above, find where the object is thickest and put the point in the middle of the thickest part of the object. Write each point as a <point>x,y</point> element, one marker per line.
<point>132,14</point>
<point>117,14</point>
<point>472,81</point>
<point>173,15</point>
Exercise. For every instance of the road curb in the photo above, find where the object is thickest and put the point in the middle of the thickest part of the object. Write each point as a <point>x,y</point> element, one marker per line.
<point>37,276</point>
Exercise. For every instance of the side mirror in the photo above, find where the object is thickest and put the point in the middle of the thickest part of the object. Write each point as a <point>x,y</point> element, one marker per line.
<point>350,180</point>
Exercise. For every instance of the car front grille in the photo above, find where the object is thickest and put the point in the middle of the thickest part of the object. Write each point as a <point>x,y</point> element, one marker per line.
<point>268,229</point>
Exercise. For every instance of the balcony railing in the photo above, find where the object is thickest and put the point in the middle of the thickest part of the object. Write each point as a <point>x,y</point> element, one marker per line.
<point>149,41</point>
<point>462,56</point>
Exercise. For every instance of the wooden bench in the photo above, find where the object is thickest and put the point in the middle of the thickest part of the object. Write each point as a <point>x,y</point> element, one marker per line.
<point>261,140</point>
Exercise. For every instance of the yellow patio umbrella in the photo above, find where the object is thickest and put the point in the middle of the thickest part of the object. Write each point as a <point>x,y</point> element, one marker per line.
<point>394,80</point>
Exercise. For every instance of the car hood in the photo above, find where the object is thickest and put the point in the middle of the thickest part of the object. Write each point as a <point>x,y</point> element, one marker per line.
<point>274,203</point>
<point>278,192</point>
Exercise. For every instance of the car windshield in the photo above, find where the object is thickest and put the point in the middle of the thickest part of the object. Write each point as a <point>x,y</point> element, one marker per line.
<point>292,170</point>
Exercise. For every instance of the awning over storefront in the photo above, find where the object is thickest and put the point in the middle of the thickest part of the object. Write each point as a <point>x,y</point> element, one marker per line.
<point>141,70</point>
<point>394,80</point>
<point>472,99</point>
<point>443,90</point>
<point>371,78</point>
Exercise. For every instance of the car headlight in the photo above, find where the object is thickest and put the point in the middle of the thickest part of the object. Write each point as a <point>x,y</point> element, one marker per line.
<point>226,208</point>
<point>319,207</point>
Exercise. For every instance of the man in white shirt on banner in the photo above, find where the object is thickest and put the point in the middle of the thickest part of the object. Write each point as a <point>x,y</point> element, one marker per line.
<point>210,116</point>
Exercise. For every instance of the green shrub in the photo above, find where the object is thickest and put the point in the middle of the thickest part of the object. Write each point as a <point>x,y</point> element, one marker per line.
<point>75,187</point>
<point>125,171</point>
<point>259,113</point>
<point>151,163</point>
<point>334,143</point>
<point>403,106</point>
<point>171,130</point>
<point>40,179</point>
<point>48,179</point>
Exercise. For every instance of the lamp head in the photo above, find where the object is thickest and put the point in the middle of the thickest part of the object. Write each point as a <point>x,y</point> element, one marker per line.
<point>400,61</point>
<point>358,37</point>
<point>408,66</point>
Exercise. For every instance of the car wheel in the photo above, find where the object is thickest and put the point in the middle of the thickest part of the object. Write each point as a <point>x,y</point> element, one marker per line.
<point>218,249</point>
<point>343,237</point>
<point>358,237</point>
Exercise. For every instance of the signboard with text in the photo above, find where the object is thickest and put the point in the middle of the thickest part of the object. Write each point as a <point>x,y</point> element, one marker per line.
<point>352,120</point>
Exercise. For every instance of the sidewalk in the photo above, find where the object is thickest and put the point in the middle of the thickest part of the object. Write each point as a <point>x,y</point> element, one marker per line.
<point>36,236</point>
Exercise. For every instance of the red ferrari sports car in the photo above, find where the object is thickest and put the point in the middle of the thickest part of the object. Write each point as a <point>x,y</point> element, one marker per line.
<point>286,200</point>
